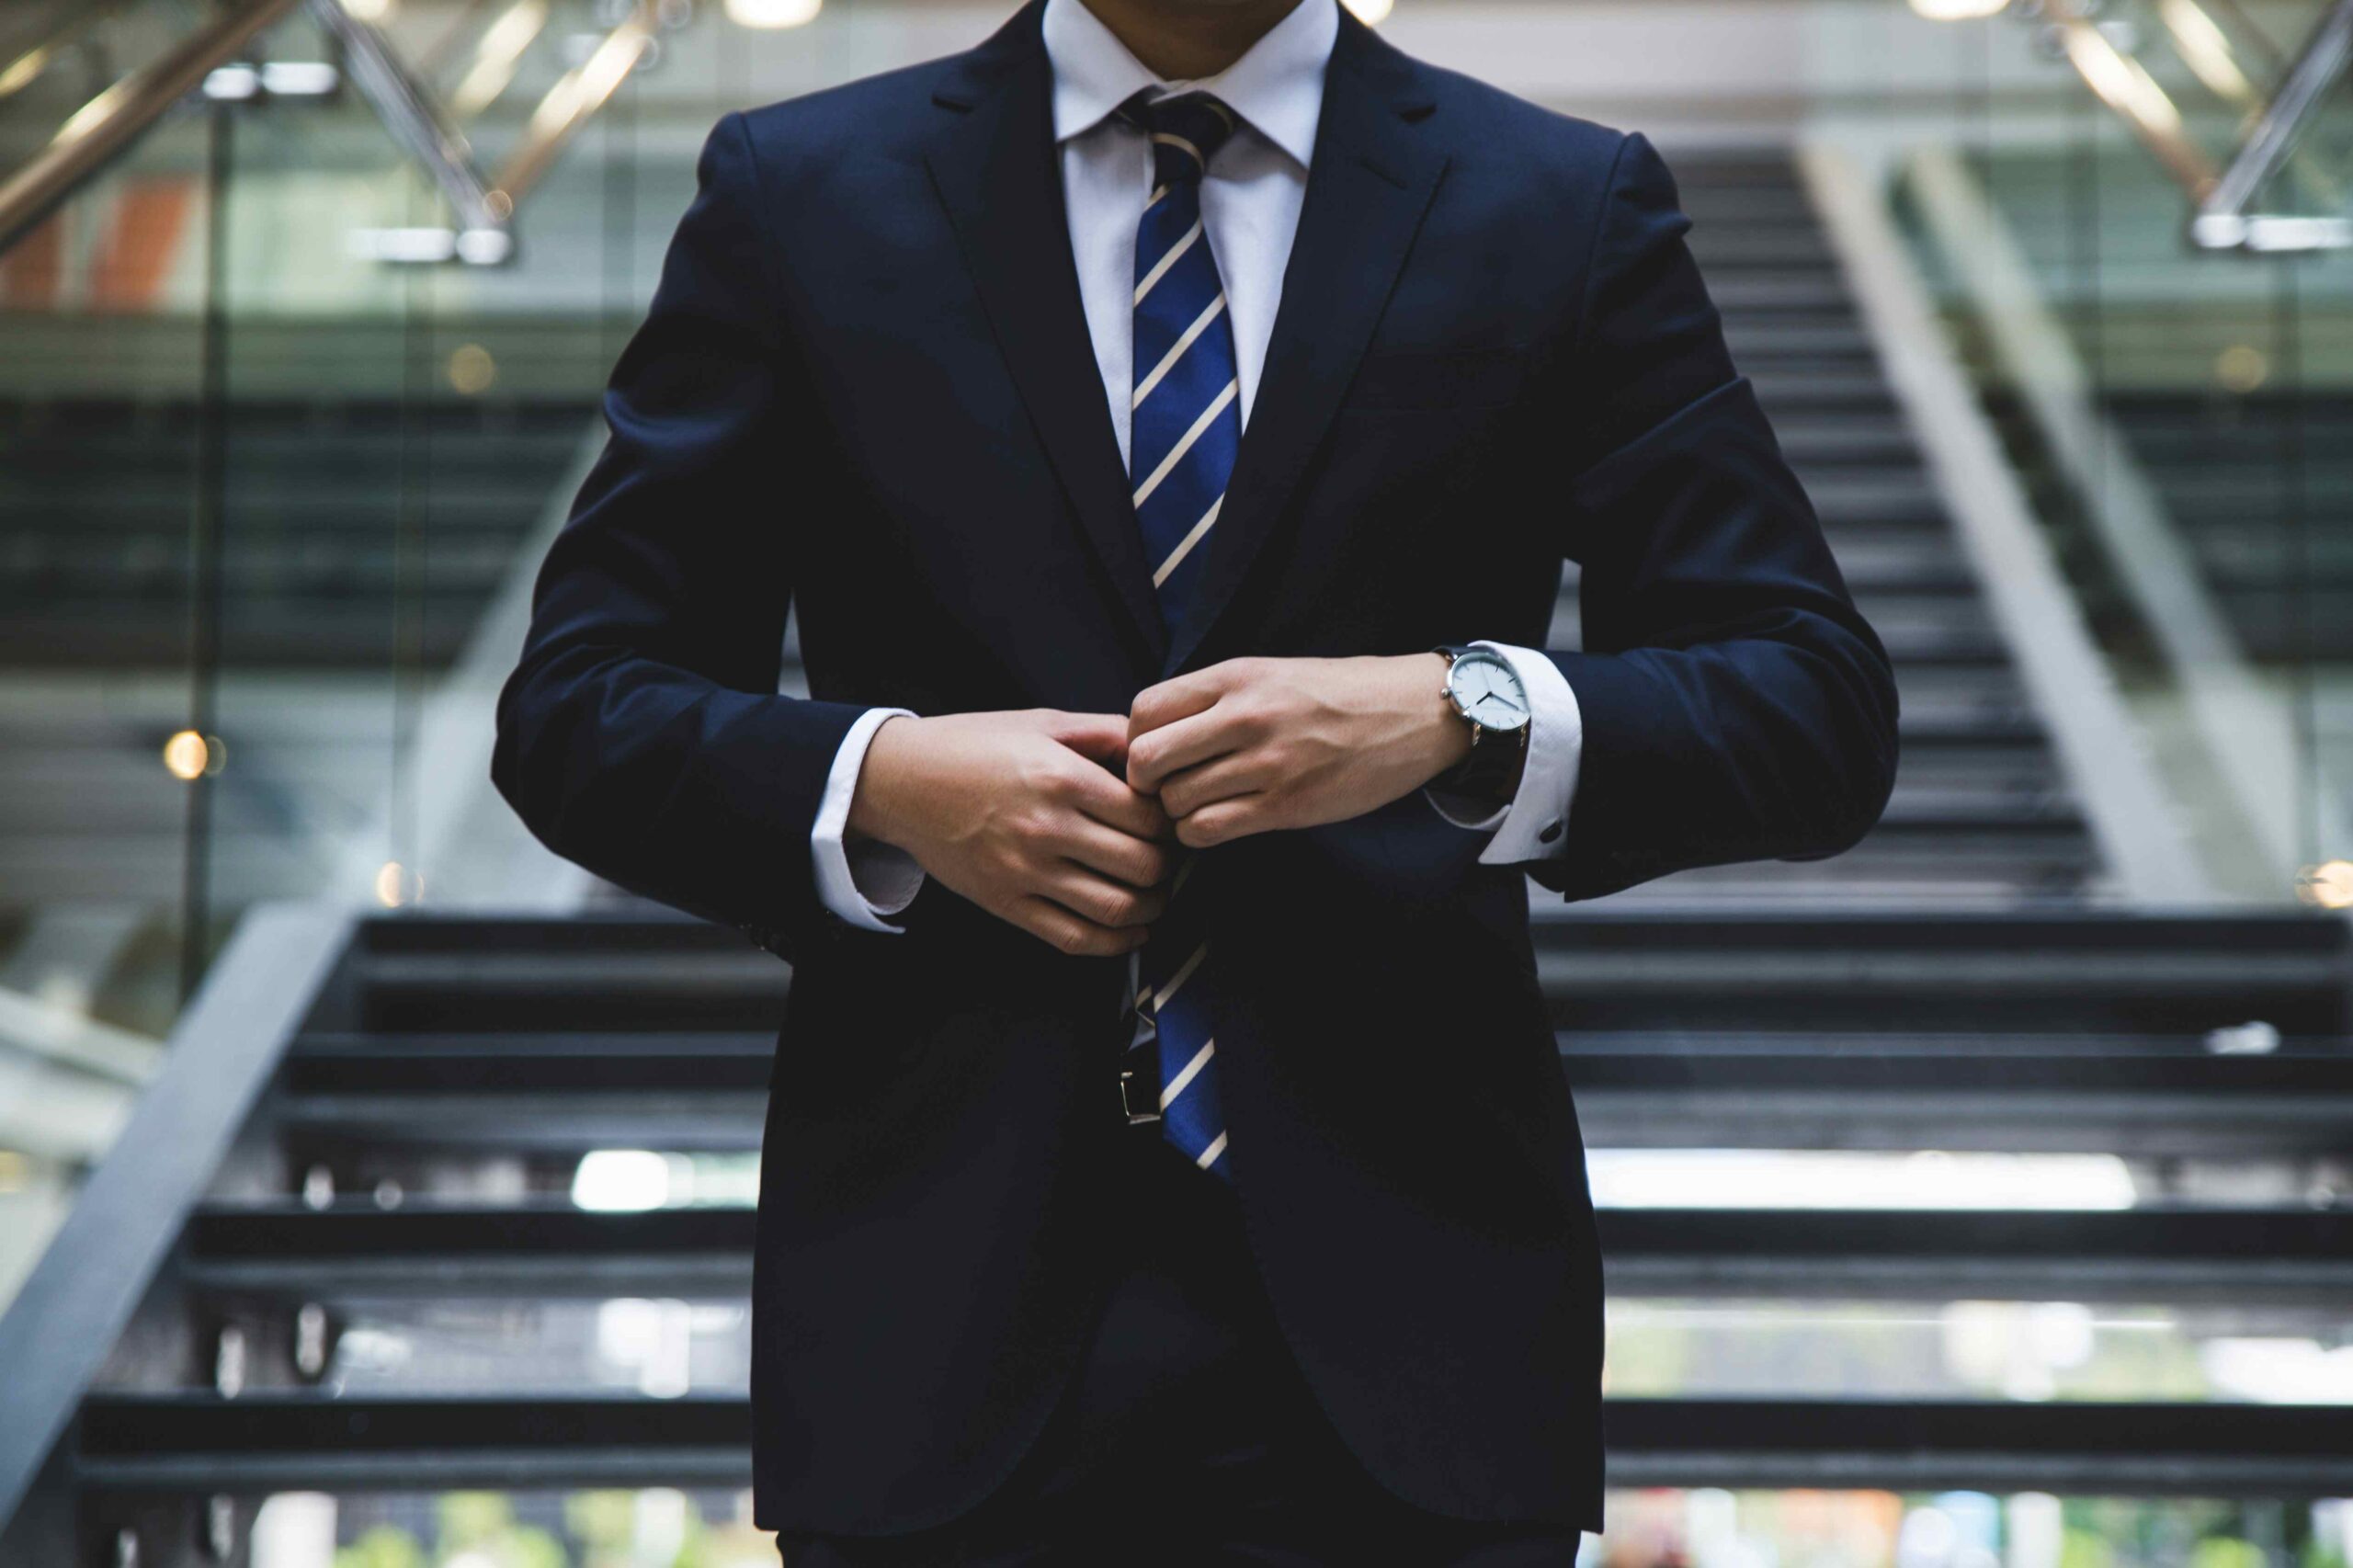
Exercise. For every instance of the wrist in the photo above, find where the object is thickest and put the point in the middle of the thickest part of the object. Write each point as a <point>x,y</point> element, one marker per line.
<point>874,802</point>
<point>1444,735</point>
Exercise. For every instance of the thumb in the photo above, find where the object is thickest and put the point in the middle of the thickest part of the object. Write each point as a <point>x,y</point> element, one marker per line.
<point>1100,737</point>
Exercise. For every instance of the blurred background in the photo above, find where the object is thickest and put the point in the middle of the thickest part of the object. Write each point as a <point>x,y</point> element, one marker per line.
<point>375,1189</point>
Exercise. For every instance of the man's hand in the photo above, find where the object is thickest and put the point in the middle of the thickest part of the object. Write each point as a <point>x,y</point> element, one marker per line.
<point>1252,744</point>
<point>1022,814</point>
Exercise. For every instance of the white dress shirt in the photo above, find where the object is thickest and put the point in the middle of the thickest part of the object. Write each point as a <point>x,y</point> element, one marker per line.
<point>1250,203</point>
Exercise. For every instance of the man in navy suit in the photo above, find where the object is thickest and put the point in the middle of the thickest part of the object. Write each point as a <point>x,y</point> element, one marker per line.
<point>1171,417</point>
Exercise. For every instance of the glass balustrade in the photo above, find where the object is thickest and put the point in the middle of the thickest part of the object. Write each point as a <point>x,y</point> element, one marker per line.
<point>290,396</point>
<point>2171,380</point>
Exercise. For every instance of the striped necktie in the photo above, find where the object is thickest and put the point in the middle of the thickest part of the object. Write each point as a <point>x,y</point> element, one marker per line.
<point>1184,428</point>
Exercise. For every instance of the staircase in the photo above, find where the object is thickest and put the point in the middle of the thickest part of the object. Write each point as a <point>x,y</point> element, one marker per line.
<point>419,1262</point>
<point>1981,814</point>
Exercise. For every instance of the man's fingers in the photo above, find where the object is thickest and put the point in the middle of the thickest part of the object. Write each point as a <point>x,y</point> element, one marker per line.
<point>1179,699</point>
<point>1191,789</point>
<point>1052,922</point>
<point>1103,796</point>
<point>1118,854</point>
<point>1099,901</point>
<point>1181,743</point>
<point>1235,818</point>
<point>1099,737</point>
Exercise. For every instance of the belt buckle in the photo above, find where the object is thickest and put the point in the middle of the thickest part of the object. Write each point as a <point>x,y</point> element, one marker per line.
<point>1136,1084</point>
<point>1129,1087</point>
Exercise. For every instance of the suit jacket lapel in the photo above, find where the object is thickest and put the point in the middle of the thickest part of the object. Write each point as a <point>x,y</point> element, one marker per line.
<point>1372,178</point>
<point>997,171</point>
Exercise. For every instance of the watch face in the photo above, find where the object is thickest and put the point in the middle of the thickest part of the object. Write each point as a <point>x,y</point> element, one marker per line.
<point>1485,690</point>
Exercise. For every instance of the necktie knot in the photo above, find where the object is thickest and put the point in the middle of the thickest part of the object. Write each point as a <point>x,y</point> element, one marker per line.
<point>1186,131</point>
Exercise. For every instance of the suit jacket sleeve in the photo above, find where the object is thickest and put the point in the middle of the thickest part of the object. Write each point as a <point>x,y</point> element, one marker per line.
<point>641,733</point>
<point>1736,704</point>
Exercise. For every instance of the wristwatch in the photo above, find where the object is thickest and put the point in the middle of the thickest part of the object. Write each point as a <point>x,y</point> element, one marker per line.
<point>1486,693</point>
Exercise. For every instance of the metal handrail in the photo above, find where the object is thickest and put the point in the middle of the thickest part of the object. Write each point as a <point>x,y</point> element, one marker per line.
<point>414,116</point>
<point>2220,196</point>
<point>574,100</point>
<point>484,209</point>
<point>27,52</point>
<point>2118,81</point>
<point>108,123</point>
<point>2222,222</point>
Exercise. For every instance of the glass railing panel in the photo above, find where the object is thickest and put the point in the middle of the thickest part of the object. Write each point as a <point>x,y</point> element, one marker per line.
<point>2227,380</point>
<point>316,477</point>
<point>261,482</point>
<point>100,456</point>
<point>417,420</point>
<point>2174,405</point>
<point>346,455</point>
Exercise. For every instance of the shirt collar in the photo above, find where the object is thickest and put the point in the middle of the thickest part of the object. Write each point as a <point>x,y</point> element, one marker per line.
<point>1276,86</point>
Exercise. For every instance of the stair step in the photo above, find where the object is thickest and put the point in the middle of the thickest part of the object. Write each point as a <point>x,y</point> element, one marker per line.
<point>2142,973</point>
<point>2169,1253</point>
<point>1762,290</point>
<point>1719,249</point>
<point>271,1440</point>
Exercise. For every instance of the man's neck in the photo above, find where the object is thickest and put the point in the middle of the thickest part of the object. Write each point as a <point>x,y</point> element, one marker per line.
<point>1183,40</point>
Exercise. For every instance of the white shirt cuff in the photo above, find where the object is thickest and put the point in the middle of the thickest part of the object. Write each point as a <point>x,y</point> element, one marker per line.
<point>1535,825</point>
<point>863,882</point>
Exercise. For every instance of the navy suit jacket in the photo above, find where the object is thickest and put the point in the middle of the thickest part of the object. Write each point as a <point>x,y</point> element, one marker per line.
<point>865,386</point>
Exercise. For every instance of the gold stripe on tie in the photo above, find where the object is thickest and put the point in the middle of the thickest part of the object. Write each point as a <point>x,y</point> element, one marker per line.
<point>1184,548</point>
<point>1171,139</point>
<point>1176,1084</point>
<point>1160,269</point>
<point>1177,350</point>
<point>1208,416</point>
